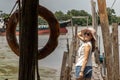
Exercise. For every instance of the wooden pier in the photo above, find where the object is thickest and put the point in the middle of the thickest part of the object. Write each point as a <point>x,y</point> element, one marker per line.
<point>28,61</point>
<point>109,68</point>
<point>68,65</point>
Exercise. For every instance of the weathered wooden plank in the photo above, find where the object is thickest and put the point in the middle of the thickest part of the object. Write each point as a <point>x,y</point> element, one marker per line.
<point>94,24</point>
<point>94,20</point>
<point>28,40</point>
<point>106,37</point>
<point>79,16</point>
<point>70,61</point>
<point>115,45</point>
<point>62,75</point>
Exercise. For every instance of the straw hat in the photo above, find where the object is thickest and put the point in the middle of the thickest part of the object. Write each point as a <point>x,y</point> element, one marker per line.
<point>93,32</point>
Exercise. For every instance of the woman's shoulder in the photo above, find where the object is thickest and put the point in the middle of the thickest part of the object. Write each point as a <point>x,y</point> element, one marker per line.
<point>88,44</point>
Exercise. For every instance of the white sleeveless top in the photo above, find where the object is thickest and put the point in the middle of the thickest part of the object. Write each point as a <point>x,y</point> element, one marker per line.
<point>80,55</point>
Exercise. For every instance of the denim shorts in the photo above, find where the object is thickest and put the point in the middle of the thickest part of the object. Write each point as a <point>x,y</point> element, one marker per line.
<point>87,72</point>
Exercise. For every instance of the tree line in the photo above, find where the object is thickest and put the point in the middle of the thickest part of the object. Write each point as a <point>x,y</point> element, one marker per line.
<point>111,16</point>
<point>82,22</point>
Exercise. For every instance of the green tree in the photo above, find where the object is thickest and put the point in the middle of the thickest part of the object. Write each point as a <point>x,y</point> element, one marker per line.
<point>118,20</point>
<point>41,21</point>
<point>4,15</point>
<point>112,18</point>
<point>111,15</point>
<point>81,21</point>
<point>59,15</point>
<point>73,12</point>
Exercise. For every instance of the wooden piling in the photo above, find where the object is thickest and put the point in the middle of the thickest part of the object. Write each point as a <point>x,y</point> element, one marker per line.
<point>106,37</point>
<point>28,39</point>
<point>62,75</point>
<point>70,61</point>
<point>94,24</point>
<point>75,44</point>
<point>94,20</point>
<point>115,45</point>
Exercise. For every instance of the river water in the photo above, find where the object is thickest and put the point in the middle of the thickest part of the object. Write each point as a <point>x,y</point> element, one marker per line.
<point>54,60</point>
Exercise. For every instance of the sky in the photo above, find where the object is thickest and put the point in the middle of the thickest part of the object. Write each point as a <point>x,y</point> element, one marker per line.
<point>63,5</point>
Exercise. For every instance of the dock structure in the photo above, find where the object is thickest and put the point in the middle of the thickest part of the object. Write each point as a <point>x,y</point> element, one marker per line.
<point>109,68</point>
<point>110,55</point>
<point>28,54</point>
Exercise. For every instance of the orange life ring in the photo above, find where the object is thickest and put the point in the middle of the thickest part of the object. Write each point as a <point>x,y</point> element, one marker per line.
<point>54,32</point>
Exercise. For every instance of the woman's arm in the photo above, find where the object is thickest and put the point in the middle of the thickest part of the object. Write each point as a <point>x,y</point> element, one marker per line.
<point>80,36</point>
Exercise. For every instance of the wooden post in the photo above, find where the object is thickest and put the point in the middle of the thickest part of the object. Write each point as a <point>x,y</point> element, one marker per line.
<point>72,27</point>
<point>115,51</point>
<point>62,76</point>
<point>75,44</point>
<point>67,45</point>
<point>106,37</point>
<point>70,62</point>
<point>94,20</point>
<point>87,22</point>
<point>28,40</point>
<point>76,28</point>
<point>94,24</point>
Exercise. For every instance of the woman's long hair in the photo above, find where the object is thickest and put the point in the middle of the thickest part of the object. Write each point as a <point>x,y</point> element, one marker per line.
<point>93,44</point>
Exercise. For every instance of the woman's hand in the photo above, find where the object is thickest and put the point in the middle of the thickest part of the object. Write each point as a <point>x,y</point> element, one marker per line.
<point>81,75</point>
<point>80,36</point>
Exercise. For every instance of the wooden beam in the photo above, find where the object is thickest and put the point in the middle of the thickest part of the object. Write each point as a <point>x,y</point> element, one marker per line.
<point>75,44</point>
<point>62,76</point>
<point>115,51</point>
<point>28,40</point>
<point>94,25</point>
<point>79,16</point>
<point>106,37</point>
<point>70,61</point>
<point>94,20</point>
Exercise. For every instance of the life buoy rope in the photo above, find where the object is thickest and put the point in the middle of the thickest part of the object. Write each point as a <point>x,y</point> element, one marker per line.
<point>54,32</point>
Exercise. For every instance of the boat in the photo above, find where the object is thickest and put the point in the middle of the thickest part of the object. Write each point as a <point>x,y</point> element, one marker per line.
<point>42,29</point>
<point>2,25</point>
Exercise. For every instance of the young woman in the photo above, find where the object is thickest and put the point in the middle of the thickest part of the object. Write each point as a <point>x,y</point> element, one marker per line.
<point>84,60</point>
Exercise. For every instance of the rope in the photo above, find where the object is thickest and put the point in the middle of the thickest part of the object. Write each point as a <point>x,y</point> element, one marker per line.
<point>113,3</point>
<point>13,7</point>
<point>19,5</point>
<point>7,19</point>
